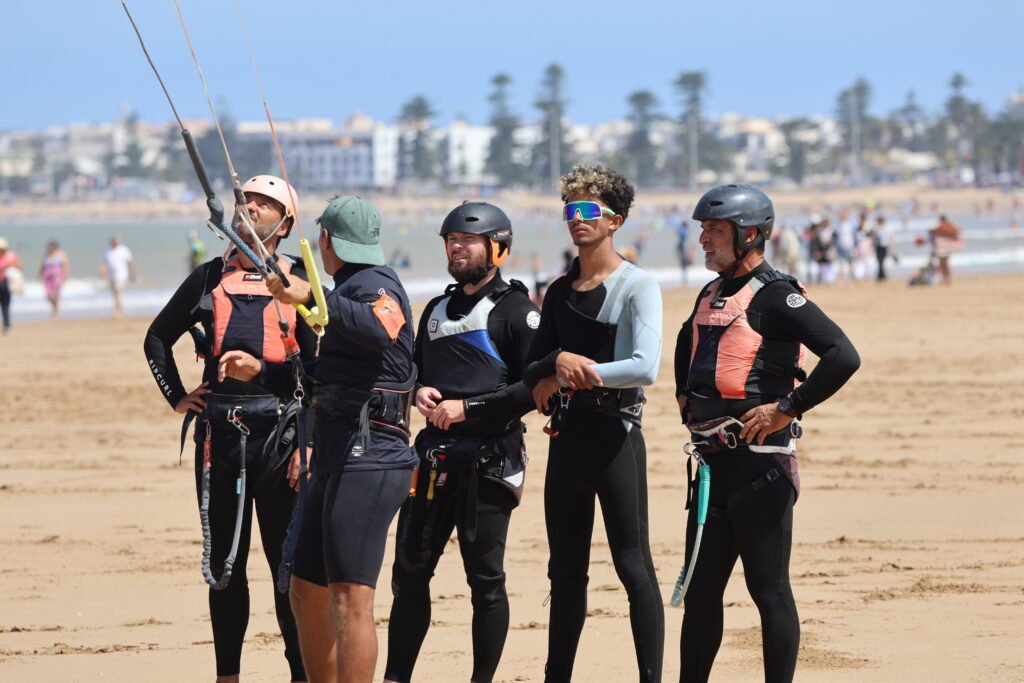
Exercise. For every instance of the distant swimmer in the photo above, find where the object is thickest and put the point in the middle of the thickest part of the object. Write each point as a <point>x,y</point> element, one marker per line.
<point>117,268</point>
<point>738,360</point>
<point>598,344</point>
<point>9,263</point>
<point>54,272</point>
<point>246,436</point>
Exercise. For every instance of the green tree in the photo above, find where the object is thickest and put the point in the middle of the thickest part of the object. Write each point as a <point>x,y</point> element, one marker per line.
<point>852,114</point>
<point>131,161</point>
<point>502,155</point>
<point>692,86</point>
<point>640,152</point>
<point>553,155</point>
<point>797,163</point>
<point>417,158</point>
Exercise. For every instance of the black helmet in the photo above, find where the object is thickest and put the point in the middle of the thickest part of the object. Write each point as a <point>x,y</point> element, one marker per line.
<point>744,206</point>
<point>481,218</point>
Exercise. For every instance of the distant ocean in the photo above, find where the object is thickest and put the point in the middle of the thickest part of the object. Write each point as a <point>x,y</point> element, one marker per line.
<point>161,255</point>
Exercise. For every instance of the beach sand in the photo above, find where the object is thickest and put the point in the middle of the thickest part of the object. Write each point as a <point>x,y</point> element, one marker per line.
<point>909,533</point>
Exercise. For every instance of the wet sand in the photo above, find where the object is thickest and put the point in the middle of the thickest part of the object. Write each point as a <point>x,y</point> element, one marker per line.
<point>909,533</point>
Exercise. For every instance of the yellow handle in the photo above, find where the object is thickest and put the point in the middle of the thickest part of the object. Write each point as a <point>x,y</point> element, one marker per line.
<point>315,317</point>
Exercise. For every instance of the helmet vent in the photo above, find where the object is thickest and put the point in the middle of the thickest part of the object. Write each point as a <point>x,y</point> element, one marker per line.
<point>715,202</point>
<point>471,219</point>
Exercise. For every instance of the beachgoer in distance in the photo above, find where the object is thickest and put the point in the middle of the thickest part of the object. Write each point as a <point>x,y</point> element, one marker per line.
<point>8,262</point>
<point>945,241</point>
<point>54,272</point>
<point>471,351</point>
<point>881,237</point>
<point>739,356</point>
<point>598,343</point>
<point>196,250</point>
<point>363,464</point>
<point>246,365</point>
<point>117,268</point>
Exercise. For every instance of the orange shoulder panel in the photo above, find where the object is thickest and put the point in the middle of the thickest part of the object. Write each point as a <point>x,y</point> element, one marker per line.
<point>390,315</point>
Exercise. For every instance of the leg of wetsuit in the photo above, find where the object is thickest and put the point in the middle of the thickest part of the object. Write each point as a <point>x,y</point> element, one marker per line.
<point>623,494</point>
<point>229,608</point>
<point>484,561</point>
<point>703,606</point>
<point>410,586</point>
<point>5,304</point>
<point>569,497</point>
<point>274,502</point>
<point>764,533</point>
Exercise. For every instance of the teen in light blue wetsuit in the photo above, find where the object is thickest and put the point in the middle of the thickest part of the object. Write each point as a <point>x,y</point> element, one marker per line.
<point>600,336</point>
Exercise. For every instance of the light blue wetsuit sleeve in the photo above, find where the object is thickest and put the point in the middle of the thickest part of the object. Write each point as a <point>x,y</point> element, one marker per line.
<point>638,335</point>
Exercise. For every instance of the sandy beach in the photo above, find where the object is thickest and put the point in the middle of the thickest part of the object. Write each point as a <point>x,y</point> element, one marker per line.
<point>909,533</point>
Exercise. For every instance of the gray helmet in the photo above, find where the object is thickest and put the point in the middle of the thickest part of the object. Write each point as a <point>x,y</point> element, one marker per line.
<point>744,206</point>
<point>481,218</point>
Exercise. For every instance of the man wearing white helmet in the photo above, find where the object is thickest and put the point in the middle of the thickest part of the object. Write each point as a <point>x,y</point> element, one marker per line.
<point>247,391</point>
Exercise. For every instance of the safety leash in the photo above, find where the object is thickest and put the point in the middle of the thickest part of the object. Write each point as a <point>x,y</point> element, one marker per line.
<point>703,494</point>
<point>235,419</point>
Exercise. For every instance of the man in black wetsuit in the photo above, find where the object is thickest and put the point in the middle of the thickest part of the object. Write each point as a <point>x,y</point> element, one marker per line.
<point>471,351</point>
<point>598,344</point>
<point>247,366</point>
<point>362,467</point>
<point>739,356</point>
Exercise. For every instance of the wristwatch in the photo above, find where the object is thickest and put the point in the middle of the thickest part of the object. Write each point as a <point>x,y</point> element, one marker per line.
<point>786,407</point>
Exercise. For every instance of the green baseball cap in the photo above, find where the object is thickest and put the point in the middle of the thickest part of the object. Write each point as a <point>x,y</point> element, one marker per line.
<point>354,226</point>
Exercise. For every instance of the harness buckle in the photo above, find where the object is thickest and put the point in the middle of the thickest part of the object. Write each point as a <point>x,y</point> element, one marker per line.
<point>564,397</point>
<point>235,418</point>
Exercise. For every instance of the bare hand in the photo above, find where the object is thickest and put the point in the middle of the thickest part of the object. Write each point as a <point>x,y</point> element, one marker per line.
<point>448,413</point>
<point>297,293</point>
<point>426,400</point>
<point>761,421</point>
<point>295,469</point>
<point>576,371</point>
<point>237,365</point>
<point>194,401</point>
<point>544,390</point>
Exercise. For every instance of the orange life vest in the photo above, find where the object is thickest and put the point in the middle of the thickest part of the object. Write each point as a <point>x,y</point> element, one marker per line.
<point>244,316</point>
<point>728,359</point>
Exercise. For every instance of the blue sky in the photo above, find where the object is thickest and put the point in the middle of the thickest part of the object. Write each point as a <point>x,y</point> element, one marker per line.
<point>69,60</point>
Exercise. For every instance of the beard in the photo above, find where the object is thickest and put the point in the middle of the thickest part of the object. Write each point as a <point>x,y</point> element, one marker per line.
<point>263,229</point>
<point>468,272</point>
<point>719,259</point>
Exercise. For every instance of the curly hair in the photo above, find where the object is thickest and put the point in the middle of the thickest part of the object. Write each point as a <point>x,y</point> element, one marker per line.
<point>608,184</point>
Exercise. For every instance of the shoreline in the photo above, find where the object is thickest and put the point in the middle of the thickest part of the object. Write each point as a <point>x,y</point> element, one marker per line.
<point>787,200</point>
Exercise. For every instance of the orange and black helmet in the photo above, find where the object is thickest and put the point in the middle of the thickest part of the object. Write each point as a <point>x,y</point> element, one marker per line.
<point>481,218</point>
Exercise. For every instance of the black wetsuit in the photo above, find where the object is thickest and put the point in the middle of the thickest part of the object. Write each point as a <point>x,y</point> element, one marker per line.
<point>600,452</point>
<point>363,462</point>
<point>267,481</point>
<point>474,344</point>
<point>752,494</point>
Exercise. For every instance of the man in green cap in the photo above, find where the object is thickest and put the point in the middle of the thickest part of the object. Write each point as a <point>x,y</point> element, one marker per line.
<point>363,464</point>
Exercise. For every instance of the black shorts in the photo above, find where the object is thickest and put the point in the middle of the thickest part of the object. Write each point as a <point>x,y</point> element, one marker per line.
<point>344,530</point>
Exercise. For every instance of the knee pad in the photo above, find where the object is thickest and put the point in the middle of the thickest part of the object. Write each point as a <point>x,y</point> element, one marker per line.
<point>633,571</point>
<point>410,587</point>
<point>487,590</point>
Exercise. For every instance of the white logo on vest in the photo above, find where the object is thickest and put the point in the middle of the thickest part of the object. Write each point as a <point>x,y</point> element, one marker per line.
<point>795,301</point>
<point>533,320</point>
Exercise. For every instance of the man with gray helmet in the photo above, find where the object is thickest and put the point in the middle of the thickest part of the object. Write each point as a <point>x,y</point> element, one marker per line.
<point>471,351</point>
<point>739,359</point>
<point>362,465</point>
